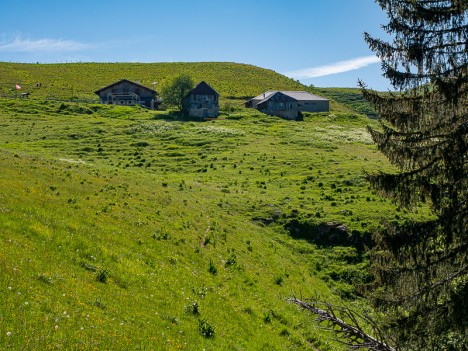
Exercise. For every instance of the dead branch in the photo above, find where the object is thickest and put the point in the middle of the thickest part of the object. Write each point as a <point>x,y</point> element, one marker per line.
<point>349,333</point>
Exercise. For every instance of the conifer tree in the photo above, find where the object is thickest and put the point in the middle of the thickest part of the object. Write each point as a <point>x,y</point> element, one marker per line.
<point>421,268</point>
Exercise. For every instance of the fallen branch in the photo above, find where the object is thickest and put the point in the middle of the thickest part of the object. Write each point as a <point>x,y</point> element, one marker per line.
<point>349,333</point>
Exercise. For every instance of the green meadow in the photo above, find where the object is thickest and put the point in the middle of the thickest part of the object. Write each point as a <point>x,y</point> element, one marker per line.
<point>80,80</point>
<point>128,229</point>
<point>235,82</point>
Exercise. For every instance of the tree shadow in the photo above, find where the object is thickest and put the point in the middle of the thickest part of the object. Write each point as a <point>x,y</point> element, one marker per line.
<point>176,116</point>
<point>329,234</point>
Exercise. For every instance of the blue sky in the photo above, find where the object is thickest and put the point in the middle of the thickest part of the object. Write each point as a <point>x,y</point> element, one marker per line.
<point>319,42</point>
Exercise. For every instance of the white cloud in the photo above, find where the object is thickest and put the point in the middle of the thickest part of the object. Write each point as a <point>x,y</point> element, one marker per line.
<point>334,68</point>
<point>41,45</point>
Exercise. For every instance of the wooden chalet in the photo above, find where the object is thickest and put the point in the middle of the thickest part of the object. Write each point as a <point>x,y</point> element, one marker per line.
<point>202,102</point>
<point>288,104</point>
<point>125,92</point>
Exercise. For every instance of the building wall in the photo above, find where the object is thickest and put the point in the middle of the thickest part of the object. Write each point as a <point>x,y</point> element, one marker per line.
<point>279,105</point>
<point>202,106</point>
<point>314,106</point>
<point>125,89</point>
<point>253,103</point>
<point>305,105</point>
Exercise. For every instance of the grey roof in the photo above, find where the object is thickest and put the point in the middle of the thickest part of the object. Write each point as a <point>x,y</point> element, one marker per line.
<point>297,95</point>
<point>276,96</point>
<point>125,81</point>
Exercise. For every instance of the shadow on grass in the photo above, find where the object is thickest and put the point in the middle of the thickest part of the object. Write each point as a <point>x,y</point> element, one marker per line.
<point>329,234</point>
<point>175,116</point>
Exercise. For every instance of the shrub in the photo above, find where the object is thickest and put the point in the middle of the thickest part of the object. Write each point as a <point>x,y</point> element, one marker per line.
<point>231,260</point>
<point>268,316</point>
<point>279,280</point>
<point>206,329</point>
<point>212,268</point>
<point>102,275</point>
<point>193,309</point>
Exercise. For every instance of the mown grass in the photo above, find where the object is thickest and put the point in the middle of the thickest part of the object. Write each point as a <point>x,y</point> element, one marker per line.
<point>116,221</point>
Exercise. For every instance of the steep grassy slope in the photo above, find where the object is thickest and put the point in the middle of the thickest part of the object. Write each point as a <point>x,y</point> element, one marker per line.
<point>126,229</point>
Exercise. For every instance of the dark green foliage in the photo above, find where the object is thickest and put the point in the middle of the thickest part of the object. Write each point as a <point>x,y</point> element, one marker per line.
<point>421,269</point>
<point>278,280</point>
<point>231,260</point>
<point>328,234</point>
<point>206,329</point>
<point>193,309</point>
<point>174,91</point>
<point>268,316</point>
<point>212,268</point>
<point>102,275</point>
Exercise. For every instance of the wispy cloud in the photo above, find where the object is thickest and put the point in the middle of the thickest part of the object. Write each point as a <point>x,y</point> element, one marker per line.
<point>334,68</point>
<point>42,45</point>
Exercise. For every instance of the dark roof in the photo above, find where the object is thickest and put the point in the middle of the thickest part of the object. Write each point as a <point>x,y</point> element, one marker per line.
<point>278,96</point>
<point>122,81</point>
<point>296,95</point>
<point>203,89</point>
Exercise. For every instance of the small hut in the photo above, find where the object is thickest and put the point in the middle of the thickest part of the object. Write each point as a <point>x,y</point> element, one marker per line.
<point>202,101</point>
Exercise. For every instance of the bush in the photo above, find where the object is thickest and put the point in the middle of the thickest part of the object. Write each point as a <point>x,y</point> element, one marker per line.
<point>212,268</point>
<point>206,329</point>
<point>102,275</point>
<point>193,309</point>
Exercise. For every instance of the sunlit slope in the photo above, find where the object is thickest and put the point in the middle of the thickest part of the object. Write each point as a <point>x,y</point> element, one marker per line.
<point>123,228</point>
<point>229,79</point>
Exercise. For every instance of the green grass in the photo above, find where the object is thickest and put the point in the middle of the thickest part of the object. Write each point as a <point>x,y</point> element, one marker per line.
<point>231,80</point>
<point>116,221</point>
<point>349,99</point>
<point>235,82</point>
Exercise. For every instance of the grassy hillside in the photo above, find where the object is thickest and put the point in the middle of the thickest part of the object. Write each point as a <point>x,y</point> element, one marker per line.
<point>349,97</point>
<point>128,229</point>
<point>233,81</point>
